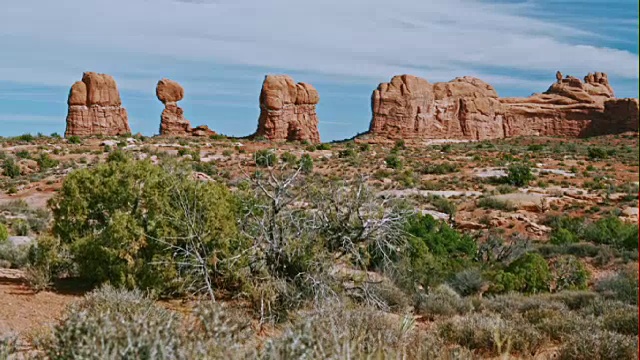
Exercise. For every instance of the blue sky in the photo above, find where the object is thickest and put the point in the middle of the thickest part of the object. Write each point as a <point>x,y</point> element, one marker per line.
<point>220,51</point>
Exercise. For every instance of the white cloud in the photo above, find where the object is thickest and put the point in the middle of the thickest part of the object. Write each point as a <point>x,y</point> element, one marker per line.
<point>51,43</point>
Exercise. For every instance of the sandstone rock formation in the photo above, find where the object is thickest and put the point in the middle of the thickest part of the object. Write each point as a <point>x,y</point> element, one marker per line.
<point>172,121</point>
<point>288,110</point>
<point>95,107</point>
<point>409,107</point>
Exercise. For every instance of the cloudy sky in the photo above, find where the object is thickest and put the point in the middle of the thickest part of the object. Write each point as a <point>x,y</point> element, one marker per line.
<point>220,51</point>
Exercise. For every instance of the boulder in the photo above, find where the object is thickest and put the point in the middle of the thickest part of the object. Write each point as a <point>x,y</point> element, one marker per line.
<point>95,108</point>
<point>288,110</point>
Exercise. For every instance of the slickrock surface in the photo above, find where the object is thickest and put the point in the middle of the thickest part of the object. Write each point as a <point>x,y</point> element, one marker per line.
<point>95,107</point>
<point>409,107</point>
<point>172,121</point>
<point>288,110</point>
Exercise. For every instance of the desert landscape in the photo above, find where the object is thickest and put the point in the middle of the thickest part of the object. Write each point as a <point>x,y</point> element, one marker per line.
<point>460,225</point>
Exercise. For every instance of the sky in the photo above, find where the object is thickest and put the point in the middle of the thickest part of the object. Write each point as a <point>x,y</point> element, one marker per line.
<point>220,51</point>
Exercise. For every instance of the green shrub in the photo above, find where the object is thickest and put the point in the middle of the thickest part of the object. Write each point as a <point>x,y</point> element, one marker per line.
<point>289,158</point>
<point>364,147</point>
<point>25,137</point>
<point>47,258</point>
<point>621,319</point>
<point>563,236</point>
<point>468,282</point>
<point>10,168</point>
<point>393,162</point>
<point>21,227</point>
<point>323,146</point>
<point>443,301</point>
<point>306,164</point>
<point>569,273</point>
<point>440,169</point>
<point>595,153</point>
<point>443,205</point>
<point>265,158</point>
<point>23,154</point>
<point>335,332</point>
<point>519,174</point>
<point>46,162</point>
<point>492,335</point>
<point>436,251</point>
<point>74,139</point>
<point>496,204</point>
<point>598,344</point>
<point>613,231</point>
<point>4,233</point>
<point>533,270</point>
<point>347,153</point>
<point>110,323</point>
<point>622,286</point>
<point>124,222</point>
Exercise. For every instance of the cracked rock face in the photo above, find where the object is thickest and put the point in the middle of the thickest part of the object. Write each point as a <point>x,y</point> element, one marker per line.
<point>288,110</point>
<point>172,120</point>
<point>95,107</point>
<point>409,107</point>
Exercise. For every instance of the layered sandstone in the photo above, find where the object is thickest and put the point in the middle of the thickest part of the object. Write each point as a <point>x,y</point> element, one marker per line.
<point>467,108</point>
<point>288,110</point>
<point>172,120</point>
<point>95,107</point>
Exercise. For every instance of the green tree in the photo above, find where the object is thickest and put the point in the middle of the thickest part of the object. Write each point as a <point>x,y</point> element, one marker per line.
<point>124,222</point>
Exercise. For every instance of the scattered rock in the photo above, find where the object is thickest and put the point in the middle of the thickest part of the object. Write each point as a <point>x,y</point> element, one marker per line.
<point>288,110</point>
<point>95,107</point>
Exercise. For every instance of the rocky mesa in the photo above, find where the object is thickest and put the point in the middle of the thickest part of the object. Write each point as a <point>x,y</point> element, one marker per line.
<point>172,120</point>
<point>410,107</point>
<point>95,107</point>
<point>288,110</point>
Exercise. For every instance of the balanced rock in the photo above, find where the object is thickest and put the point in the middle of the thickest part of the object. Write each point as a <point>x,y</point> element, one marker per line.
<point>288,110</point>
<point>95,107</point>
<point>172,120</point>
<point>409,107</point>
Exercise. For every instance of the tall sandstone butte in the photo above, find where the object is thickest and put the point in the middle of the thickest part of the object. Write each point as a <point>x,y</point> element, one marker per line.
<point>288,110</point>
<point>95,107</point>
<point>172,121</point>
<point>467,108</point>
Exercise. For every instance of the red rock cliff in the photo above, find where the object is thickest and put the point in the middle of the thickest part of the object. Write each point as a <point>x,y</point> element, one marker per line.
<point>95,107</point>
<point>467,108</point>
<point>288,110</point>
